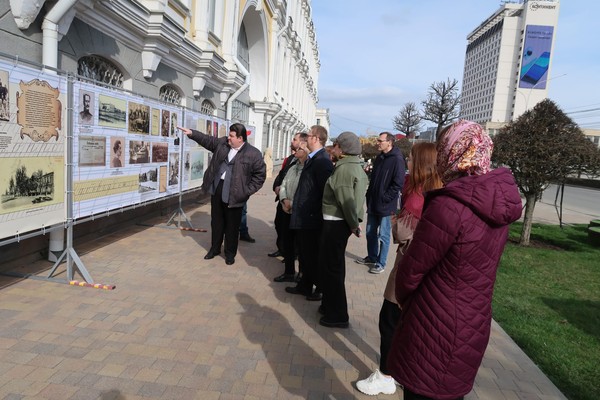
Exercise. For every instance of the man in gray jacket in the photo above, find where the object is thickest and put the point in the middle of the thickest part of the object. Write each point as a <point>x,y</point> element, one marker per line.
<point>235,172</point>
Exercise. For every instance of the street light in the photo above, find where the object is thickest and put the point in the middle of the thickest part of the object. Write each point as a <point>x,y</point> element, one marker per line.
<point>533,87</point>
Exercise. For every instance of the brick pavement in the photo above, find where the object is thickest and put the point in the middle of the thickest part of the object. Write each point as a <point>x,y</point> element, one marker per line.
<point>180,327</point>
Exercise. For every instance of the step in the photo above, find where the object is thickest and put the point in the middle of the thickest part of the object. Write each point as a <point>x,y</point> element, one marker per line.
<point>594,222</point>
<point>594,235</point>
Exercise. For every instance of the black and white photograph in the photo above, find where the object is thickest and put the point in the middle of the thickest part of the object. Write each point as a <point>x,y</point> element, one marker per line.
<point>112,112</point>
<point>86,105</point>
<point>160,152</point>
<point>148,180</point>
<point>164,126</point>
<point>139,118</point>
<point>4,97</point>
<point>173,169</point>
<point>139,152</point>
<point>196,164</point>
<point>117,145</point>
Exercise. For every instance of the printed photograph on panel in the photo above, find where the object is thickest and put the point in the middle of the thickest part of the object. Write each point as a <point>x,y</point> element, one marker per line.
<point>166,119</point>
<point>86,105</point>
<point>160,152</point>
<point>4,104</point>
<point>201,125</point>
<point>162,179</point>
<point>30,182</point>
<point>112,112</point>
<point>92,151</point>
<point>196,164</point>
<point>139,152</point>
<point>148,180</point>
<point>222,130</point>
<point>173,169</point>
<point>209,130</point>
<point>139,118</point>
<point>117,160</point>
<point>186,166</point>
<point>40,111</point>
<point>173,125</point>
<point>155,123</point>
<point>216,128</point>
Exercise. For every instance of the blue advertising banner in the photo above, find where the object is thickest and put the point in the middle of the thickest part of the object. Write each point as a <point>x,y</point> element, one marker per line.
<point>536,56</point>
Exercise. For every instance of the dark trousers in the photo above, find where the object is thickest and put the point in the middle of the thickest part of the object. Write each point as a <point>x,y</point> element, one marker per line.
<point>224,222</point>
<point>408,395</point>
<point>280,226</point>
<point>308,257</point>
<point>389,316</point>
<point>288,239</point>
<point>332,267</point>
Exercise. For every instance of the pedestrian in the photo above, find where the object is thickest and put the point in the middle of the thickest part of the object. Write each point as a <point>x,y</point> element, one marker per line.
<point>307,214</point>
<point>287,190</point>
<point>383,193</point>
<point>236,171</point>
<point>279,214</point>
<point>445,280</point>
<point>343,210</point>
<point>421,178</point>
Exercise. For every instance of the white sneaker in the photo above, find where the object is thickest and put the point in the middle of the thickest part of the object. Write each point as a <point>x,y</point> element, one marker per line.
<point>377,383</point>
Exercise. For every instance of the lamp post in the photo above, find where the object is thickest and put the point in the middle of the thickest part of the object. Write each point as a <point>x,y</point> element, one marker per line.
<point>533,87</point>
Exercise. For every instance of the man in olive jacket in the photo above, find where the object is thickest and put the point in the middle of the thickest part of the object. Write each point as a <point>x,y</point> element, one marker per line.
<point>235,172</point>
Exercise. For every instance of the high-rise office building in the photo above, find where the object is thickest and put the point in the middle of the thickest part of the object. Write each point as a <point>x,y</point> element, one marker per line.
<point>508,62</point>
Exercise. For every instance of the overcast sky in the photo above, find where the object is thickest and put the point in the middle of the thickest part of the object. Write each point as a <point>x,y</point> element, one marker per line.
<point>378,55</point>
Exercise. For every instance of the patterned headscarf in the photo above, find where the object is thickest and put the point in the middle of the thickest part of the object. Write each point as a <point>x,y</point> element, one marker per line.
<point>464,149</point>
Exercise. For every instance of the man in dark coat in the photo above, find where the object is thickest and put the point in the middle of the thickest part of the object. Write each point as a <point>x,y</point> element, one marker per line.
<point>236,171</point>
<point>307,213</point>
<point>385,185</point>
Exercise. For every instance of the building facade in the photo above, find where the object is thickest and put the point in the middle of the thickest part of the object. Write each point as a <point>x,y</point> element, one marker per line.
<point>249,61</point>
<point>508,62</point>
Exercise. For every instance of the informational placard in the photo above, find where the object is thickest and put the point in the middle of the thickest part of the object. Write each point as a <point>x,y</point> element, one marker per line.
<point>32,149</point>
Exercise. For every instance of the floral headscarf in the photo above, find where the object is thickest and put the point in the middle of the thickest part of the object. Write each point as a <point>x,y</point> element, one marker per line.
<point>464,149</point>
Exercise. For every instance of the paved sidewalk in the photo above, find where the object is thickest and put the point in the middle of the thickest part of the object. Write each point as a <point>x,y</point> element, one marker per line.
<point>179,327</point>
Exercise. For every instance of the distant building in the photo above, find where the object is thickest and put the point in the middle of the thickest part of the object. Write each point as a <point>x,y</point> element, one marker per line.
<point>593,135</point>
<point>323,118</point>
<point>508,62</point>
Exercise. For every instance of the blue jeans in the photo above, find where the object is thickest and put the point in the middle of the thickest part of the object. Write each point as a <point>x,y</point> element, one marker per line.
<point>378,238</point>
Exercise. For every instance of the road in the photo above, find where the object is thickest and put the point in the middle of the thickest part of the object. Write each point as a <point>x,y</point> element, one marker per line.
<point>580,205</point>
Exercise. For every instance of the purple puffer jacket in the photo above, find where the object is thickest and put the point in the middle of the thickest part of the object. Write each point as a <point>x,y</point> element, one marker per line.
<point>445,284</point>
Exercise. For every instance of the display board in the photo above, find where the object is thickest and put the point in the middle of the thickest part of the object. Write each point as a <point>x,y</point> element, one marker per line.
<point>126,151</point>
<point>32,149</point>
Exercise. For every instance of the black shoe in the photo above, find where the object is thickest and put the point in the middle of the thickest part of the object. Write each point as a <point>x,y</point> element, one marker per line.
<point>333,324</point>
<point>296,290</point>
<point>285,278</point>
<point>211,254</point>
<point>276,253</point>
<point>299,277</point>
<point>229,261</point>
<point>247,238</point>
<point>316,296</point>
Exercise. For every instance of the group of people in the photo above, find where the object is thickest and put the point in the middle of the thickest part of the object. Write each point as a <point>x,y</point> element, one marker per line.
<point>450,224</point>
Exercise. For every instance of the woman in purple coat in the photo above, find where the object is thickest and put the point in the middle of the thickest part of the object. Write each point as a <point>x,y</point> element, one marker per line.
<point>445,282</point>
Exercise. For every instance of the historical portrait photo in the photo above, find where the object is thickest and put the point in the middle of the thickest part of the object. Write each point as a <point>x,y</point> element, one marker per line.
<point>4,104</point>
<point>164,126</point>
<point>116,152</point>
<point>86,105</point>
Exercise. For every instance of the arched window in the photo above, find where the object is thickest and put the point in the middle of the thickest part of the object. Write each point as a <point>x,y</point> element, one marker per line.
<point>100,69</point>
<point>207,108</point>
<point>243,54</point>
<point>170,94</point>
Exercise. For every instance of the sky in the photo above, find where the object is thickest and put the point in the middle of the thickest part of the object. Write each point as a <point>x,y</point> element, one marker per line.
<point>378,55</point>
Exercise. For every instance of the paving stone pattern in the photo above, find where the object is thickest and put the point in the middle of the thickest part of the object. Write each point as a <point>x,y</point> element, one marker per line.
<point>180,327</point>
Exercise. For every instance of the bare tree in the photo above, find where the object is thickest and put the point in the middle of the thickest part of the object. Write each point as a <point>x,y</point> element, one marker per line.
<point>543,146</point>
<point>441,106</point>
<point>408,120</point>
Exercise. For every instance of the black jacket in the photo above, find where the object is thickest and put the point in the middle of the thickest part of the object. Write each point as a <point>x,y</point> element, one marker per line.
<point>248,173</point>
<point>386,183</point>
<point>308,200</point>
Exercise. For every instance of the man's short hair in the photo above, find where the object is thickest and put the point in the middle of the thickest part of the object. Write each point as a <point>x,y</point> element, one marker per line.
<point>240,130</point>
<point>320,132</point>
<point>389,137</point>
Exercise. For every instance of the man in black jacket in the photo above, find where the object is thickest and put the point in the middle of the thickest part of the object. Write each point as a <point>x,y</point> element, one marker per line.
<point>236,171</point>
<point>307,213</point>
<point>383,193</point>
